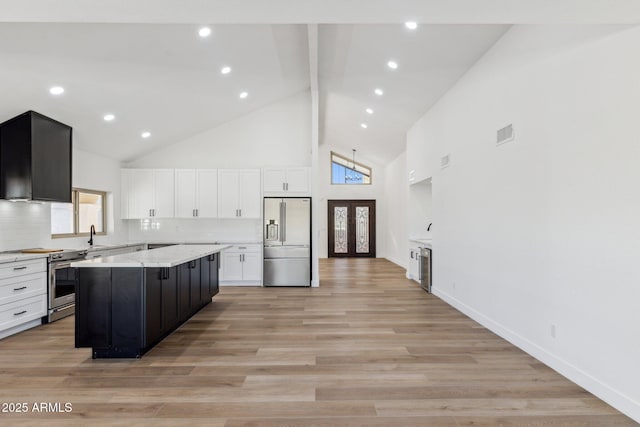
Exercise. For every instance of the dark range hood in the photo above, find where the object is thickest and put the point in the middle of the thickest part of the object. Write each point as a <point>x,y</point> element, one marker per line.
<point>35,159</point>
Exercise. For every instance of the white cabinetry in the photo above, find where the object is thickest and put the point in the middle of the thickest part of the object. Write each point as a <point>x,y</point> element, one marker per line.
<point>147,193</point>
<point>196,193</point>
<point>23,295</point>
<point>421,153</point>
<point>286,181</point>
<point>239,194</point>
<point>241,265</point>
<point>414,262</point>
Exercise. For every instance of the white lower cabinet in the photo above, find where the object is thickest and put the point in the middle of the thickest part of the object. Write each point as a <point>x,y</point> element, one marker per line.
<point>241,265</point>
<point>23,295</point>
<point>414,263</point>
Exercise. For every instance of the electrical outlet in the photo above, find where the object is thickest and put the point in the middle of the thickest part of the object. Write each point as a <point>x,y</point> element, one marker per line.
<point>453,286</point>
<point>553,330</point>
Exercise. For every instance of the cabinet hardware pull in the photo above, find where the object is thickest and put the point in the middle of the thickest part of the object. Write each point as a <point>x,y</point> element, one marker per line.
<point>18,314</point>
<point>283,188</point>
<point>240,212</point>
<point>20,288</point>
<point>197,213</point>
<point>24,267</point>
<point>287,185</point>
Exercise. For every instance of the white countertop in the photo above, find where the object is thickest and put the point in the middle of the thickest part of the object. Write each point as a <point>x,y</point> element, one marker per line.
<point>169,256</point>
<point>424,241</point>
<point>13,257</point>
<point>221,242</point>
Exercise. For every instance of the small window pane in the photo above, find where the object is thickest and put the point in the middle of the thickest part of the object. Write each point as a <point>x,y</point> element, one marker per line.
<point>90,212</point>
<point>61,218</point>
<point>345,171</point>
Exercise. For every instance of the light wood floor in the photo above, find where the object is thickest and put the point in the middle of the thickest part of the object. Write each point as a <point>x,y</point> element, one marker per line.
<point>367,348</point>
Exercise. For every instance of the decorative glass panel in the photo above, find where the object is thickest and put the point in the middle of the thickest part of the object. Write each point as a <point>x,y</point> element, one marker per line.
<point>362,229</point>
<point>340,230</point>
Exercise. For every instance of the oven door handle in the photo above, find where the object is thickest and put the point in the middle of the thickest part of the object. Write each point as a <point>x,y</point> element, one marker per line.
<point>60,266</point>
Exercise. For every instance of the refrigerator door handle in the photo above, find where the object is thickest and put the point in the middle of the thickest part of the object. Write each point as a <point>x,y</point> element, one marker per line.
<point>284,222</point>
<point>280,239</point>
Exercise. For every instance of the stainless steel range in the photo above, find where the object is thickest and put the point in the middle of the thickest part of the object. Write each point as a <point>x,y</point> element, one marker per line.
<point>62,283</point>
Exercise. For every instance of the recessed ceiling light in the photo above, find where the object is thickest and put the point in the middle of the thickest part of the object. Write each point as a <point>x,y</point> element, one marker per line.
<point>204,32</point>
<point>56,90</point>
<point>145,134</point>
<point>393,65</point>
<point>412,25</point>
<point>109,117</point>
<point>378,92</point>
<point>364,125</point>
<point>369,111</point>
<point>225,70</point>
<point>243,95</point>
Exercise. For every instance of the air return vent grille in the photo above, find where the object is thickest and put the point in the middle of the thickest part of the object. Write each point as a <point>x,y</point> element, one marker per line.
<point>505,135</point>
<point>444,161</point>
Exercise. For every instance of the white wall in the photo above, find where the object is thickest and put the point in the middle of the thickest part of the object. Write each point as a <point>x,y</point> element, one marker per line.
<point>396,191</point>
<point>28,225</point>
<point>326,191</point>
<point>420,209</point>
<point>276,135</point>
<point>544,230</point>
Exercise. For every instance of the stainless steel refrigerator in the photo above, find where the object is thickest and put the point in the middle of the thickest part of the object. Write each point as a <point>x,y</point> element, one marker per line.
<point>287,241</point>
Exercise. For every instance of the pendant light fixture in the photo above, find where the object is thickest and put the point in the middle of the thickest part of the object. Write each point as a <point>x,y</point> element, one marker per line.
<point>355,176</point>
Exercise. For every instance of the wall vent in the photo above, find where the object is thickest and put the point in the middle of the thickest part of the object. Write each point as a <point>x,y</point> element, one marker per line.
<point>444,161</point>
<point>505,135</point>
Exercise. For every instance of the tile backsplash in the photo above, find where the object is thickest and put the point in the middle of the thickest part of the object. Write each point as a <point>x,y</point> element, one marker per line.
<point>24,225</point>
<point>28,225</point>
<point>196,230</point>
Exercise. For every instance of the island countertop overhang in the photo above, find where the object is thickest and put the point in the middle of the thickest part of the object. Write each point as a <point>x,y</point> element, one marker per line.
<point>166,257</point>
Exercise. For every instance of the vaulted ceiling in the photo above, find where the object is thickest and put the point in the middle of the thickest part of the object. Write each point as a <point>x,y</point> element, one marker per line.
<point>145,63</point>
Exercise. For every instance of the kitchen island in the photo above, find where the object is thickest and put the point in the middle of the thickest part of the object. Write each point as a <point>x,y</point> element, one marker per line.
<point>126,304</point>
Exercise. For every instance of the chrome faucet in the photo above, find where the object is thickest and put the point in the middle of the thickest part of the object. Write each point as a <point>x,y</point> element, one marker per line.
<point>92,232</point>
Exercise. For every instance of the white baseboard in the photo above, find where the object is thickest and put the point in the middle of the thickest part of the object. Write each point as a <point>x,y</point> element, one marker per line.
<point>613,397</point>
<point>396,262</point>
<point>21,327</point>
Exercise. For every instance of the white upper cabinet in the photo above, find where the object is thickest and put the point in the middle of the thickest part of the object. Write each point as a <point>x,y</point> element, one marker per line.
<point>239,194</point>
<point>196,193</point>
<point>186,193</point>
<point>147,193</point>
<point>207,194</point>
<point>286,181</point>
<point>421,153</point>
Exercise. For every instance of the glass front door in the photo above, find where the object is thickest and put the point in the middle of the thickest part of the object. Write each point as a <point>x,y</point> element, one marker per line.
<point>352,228</point>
